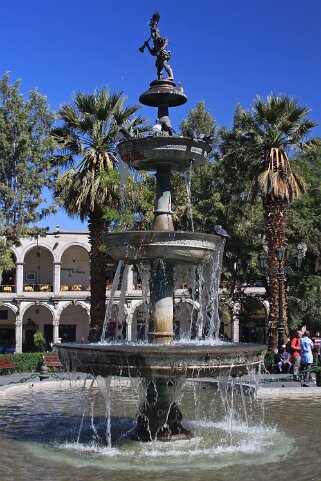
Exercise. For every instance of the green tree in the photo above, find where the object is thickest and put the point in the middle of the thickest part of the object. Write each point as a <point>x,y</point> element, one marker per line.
<point>186,215</point>
<point>305,227</point>
<point>90,188</point>
<point>219,195</point>
<point>25,164</point>
<point>268,133</point>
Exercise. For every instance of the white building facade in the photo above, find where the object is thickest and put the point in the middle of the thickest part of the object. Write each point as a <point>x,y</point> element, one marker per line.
<point>49,291</point>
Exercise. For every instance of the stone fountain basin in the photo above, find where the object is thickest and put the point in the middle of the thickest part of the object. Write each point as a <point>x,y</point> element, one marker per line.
<point>160,361</point>
<point>178,247</point>
<point>169,153</point>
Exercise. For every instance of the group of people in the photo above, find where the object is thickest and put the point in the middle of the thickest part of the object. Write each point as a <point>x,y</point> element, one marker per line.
<point>301,356</point>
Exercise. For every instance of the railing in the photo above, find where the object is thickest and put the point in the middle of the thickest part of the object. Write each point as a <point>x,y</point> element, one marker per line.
<point>37,287</point>
<point>7,288</point>
<point>74,287</point>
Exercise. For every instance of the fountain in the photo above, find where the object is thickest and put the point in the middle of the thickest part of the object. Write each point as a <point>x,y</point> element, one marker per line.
<point>161,362</point>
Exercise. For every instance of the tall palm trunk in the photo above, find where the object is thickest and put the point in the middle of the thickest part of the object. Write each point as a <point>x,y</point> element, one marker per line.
<point>275,213</point>
<point>98,272</point>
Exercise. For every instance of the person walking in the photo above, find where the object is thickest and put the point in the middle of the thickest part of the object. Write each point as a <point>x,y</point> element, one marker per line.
<point>306,346</point>
<point>296,354</point>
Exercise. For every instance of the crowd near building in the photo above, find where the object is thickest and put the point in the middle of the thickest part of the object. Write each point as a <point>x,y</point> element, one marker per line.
<point>49,291</point>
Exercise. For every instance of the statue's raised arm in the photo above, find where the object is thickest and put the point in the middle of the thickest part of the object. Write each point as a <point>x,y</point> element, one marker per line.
<point>158,49</point>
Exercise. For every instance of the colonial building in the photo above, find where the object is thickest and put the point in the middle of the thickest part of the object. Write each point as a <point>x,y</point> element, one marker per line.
<point>49,291</point>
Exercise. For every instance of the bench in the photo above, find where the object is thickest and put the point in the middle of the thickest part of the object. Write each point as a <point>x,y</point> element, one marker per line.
<point>7,364</point>
<point>52,360</point>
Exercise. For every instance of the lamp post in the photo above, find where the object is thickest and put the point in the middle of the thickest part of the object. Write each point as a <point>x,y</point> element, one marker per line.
<point>280,273</point>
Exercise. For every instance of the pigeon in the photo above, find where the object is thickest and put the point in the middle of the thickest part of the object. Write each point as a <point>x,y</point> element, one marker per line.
<point>209,139</point>
<point>218,229</point>
<point>127,134</point>
<point>156,129</point>
<point>196,135</point>
<point>180,88</point>
<point>166,125</point>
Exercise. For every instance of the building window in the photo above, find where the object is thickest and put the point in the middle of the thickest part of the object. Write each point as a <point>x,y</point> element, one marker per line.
<point>3,315</point>
<point>30,276</point>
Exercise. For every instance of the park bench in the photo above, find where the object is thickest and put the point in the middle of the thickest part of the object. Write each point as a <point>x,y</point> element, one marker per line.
<point>7,364</point>
<point>52,360</point>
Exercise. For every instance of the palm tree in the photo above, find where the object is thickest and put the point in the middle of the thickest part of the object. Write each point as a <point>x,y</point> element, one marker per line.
<point>270,131</point>
<point>87,145</point>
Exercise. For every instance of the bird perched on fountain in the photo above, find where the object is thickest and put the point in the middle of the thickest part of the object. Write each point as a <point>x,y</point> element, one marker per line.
<point>156,129</point>
<point>180,88</point>
<point>218,229</point>
<point>127,134</point>
<point>166,124</point>
<point>197,135</point>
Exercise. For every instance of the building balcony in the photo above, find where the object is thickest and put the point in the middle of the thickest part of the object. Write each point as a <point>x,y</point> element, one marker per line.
<point>37,287</point>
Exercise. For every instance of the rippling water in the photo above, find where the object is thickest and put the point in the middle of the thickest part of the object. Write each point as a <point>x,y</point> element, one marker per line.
<point>62,435</point>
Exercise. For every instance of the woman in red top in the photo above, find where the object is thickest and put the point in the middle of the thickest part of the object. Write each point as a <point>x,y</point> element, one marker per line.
<point>296,353</point>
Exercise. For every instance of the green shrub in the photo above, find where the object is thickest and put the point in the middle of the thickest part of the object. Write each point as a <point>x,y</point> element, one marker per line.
<point>27,361</point>
<point>318,376</point>
<point>39,341</point>
<point>269,360</point>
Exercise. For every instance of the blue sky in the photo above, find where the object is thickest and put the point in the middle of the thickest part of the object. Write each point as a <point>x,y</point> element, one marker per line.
<point>223,52</point>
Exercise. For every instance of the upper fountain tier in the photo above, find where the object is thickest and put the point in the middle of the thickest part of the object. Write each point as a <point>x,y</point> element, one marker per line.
<point>162,149</point>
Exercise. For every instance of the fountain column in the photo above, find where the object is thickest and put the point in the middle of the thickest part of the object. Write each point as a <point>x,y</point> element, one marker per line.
<point>163,204</point>
<point>161,303</point>
<point>161,282</point>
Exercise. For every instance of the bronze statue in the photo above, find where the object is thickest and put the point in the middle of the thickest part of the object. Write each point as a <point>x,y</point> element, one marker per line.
<point>158,49</point>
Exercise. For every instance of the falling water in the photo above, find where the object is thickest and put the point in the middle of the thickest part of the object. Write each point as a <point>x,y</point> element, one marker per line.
<point>122,297</point>
<point>188,183</point>
<point>108,313</point>
<point>144,272</point>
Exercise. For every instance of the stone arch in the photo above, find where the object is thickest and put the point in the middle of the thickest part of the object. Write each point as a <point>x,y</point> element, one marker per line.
<point>74,321</point>
<point>253,317</point>
<point>137,323</point>
<point>8,314</point>
<point>117,322</point>
<point>64,305</point>
<point>38,268</point>
<point>36,316</point>
<point>74,266</point>
<point>73,244</point>
<point>228,315</point>
<point>11,307</point>
<point>8,277</point>
<point>186,312</point>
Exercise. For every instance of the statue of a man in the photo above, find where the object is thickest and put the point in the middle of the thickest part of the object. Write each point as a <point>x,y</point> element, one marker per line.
<point>158,49</point>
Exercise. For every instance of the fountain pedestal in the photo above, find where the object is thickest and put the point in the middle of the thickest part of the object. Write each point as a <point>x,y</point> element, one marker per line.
<point>159,417</point>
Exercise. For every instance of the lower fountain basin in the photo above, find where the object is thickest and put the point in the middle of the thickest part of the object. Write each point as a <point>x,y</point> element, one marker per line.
<point>160,361</point>
<point>178,247</point>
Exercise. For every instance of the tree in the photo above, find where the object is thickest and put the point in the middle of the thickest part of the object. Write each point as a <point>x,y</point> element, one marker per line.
<point>305,227</point>
<point>269,132</point>
<point>25,164</point>
<point>219,194</point>
<point>87,141</point>
<point>187,211</point>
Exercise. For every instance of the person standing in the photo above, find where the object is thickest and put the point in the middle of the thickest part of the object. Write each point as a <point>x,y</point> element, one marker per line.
<point>306,346</point>
<point>296,353</point>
